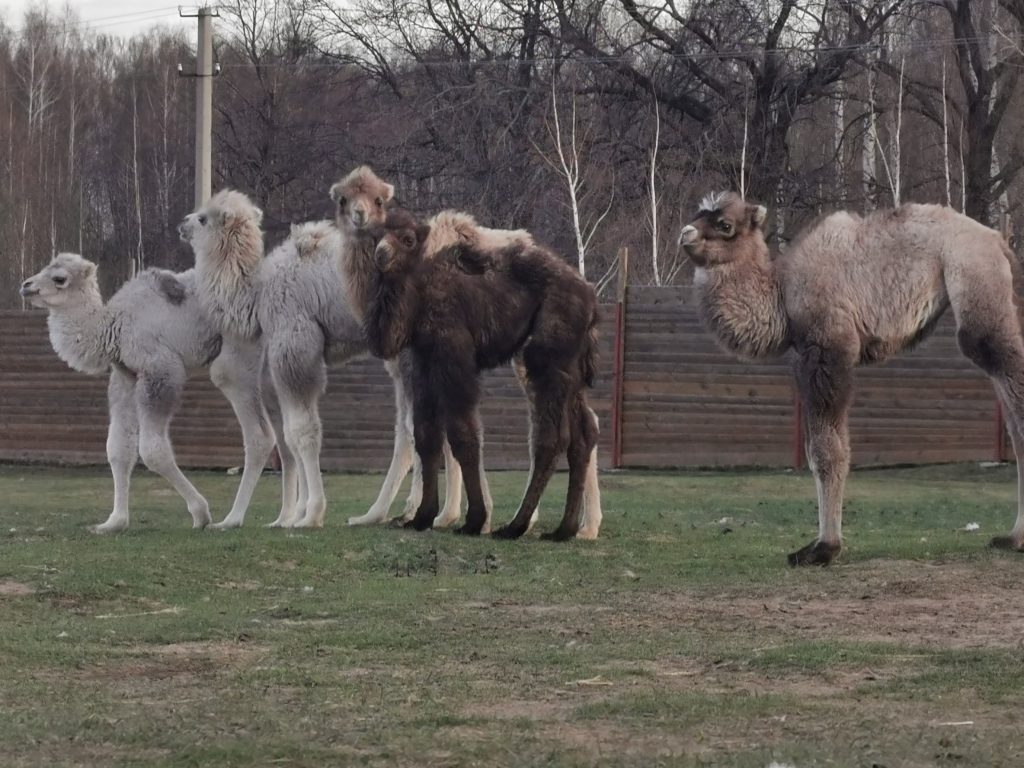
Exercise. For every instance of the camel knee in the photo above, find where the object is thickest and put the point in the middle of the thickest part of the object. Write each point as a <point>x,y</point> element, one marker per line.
<point>156,454</point>
<point>827,455</point>
<point>988,351</point>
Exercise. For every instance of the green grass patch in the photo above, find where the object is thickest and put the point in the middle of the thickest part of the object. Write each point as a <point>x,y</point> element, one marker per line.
<point>680,637</point>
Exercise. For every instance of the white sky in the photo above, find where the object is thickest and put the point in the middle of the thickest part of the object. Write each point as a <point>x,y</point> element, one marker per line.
<point>113,17</point>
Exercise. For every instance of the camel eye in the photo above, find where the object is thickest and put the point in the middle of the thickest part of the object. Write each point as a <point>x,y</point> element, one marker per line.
<point>342,202</point>
<point>723,226</point>
<point>202,219</point>
<point>408,241</point>
<point>60,280</point>
<point>380,202</point>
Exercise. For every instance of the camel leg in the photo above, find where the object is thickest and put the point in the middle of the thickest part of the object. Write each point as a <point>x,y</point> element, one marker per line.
<point>463,432</point>
<point>304,437</point>
<point>825,382</point>
<point>519,369</point>
<point>429,438</point>
<point>122,446</point>
<point>236,373</point>
<point>290,470</point>
<point>157,397</point>
<point>401,456</point>
<point>591,491</point>
<point>582,439</point>
<point>453,477</point>
<point>300,376</point>
<point>999,351</point>
<point>1012,399</point>
<point>549,437</point>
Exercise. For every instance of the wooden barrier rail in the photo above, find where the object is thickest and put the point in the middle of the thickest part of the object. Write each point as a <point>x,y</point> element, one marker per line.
<point>678,401</point>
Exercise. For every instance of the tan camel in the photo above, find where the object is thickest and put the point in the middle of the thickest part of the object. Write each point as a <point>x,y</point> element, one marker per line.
<point>852,291</point>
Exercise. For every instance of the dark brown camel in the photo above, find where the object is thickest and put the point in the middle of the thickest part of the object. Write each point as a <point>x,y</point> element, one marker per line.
<point>464,311</point>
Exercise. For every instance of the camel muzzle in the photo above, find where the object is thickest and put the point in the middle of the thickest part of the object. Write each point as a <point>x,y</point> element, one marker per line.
<point>689,235</point>
<point>27,291</point>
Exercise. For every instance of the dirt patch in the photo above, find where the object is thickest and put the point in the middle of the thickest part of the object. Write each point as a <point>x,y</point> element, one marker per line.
<point>952,605</point>
<point>11,588</point>
<point>175,660</point>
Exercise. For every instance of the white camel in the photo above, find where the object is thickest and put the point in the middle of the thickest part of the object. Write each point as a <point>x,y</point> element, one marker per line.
<point>148,336</point>
<point>294,304</point>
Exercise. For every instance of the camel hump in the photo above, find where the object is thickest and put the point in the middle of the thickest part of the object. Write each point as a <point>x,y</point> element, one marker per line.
<point>169,286</point>
<point>457,228</point>
<point>310,237</point>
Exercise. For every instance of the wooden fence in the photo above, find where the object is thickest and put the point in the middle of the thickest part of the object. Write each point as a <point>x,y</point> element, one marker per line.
<point>681,402</point>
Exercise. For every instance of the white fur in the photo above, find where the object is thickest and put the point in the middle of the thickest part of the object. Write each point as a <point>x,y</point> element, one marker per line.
<point>148,336</point>
<point>294,302</point>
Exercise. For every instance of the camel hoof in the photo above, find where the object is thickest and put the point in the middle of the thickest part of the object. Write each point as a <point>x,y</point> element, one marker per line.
<point>308,523</point>
<point>466,530</point>
<point>1007,543</point>
<point>507,532</point>
<point>815,553</point>
<point>587,534</point>
<point>418,525</point>
<point>367,519</point>
<point>225,525</point>
<point>104,529</point>
<point>559,534</point>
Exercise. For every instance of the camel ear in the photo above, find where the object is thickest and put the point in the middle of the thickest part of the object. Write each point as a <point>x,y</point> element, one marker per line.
<point>336,192</point>
<point>422,231</point>
<point>389,192</point>
<point>758,213</point>
<point>89,269</point>
<point>257,215</point>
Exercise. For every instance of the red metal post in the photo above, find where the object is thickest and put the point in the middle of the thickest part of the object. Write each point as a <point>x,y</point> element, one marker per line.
<point>798,432</point>
<point>619,374</point>
<point>1000,439</point>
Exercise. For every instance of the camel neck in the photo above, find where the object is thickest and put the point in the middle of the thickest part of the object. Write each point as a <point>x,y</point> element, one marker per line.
<point>228,289</point>
<point>80,333</point>
<point>358,270</point>
<point>391,309</point>
<point>742,304</point>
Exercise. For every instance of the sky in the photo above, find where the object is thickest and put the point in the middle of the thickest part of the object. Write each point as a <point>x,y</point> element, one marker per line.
<point>116,17</point>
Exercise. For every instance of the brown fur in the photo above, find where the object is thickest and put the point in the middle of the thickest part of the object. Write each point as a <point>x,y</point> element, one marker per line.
<point>525,302</point>
<point>852,291</point>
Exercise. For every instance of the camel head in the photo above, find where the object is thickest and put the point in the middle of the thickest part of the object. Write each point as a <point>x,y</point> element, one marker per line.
<point>227,221</point>
<point>400,246</point>
<point>725,230</point>
<point>67,276</point>
<point>362,199</point>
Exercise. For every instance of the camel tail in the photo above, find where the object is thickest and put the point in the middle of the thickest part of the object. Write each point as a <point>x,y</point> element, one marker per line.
<point>591,355</point>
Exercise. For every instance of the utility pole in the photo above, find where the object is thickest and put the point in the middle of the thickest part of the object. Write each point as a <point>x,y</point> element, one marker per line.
<point>204,74</point>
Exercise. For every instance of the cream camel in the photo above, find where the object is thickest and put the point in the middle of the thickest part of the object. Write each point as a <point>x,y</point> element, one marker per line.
<point>852,291</point>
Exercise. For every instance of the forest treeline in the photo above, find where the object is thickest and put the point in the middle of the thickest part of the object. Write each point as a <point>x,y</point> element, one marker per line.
<point>597,124</point>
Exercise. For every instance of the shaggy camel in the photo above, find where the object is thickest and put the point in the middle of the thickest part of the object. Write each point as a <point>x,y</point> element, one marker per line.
<point>150,333</point>
<point>287,301</point>
<point>465,310</point>
<point>358,215</point>
<point>852,291</point>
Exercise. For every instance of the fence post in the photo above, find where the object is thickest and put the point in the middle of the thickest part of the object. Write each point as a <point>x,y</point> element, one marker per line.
<point>619,374</point>
<point>798,431</point>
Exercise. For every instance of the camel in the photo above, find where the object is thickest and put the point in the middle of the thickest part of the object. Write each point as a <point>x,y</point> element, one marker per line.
<point>467,309</point>
<point>148,336</point>
<point>852,291</point>
<point>291,303</point>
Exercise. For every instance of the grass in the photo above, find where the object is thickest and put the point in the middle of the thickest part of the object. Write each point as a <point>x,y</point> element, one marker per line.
<point>678,638</point>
